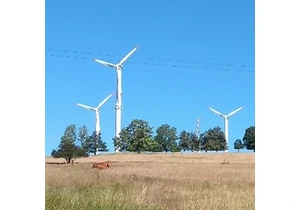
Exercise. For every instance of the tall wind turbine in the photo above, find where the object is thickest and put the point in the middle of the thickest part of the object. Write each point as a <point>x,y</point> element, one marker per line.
<point>97,112</point>
<point>118,106</point>
<point>226,121</point>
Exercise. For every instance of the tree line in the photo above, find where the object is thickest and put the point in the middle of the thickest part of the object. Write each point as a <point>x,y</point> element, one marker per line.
<point>139,137</point>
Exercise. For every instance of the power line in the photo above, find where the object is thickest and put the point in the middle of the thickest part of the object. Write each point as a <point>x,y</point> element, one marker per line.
<point>151,61</point>
<point>140,58</point>
<point>188,67</point>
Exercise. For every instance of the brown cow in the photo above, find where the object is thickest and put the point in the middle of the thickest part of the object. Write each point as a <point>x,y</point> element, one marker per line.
<point>100,167</point>
<point>106,164</point>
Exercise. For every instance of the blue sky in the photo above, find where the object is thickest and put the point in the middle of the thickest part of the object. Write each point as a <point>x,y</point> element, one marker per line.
<point>192,55</point>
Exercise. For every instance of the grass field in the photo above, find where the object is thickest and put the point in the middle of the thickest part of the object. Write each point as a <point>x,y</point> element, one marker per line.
<point>153,181</point>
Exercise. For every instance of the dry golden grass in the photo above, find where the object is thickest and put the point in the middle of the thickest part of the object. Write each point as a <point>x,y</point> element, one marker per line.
<point>154,181</point>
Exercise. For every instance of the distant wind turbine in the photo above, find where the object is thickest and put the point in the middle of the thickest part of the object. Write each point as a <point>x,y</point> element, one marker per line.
<point>118,106</point>
<point>97,112</point>
<point>226,121</point>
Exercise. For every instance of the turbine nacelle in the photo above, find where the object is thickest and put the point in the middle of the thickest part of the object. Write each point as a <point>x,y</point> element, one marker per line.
<point>218,113</point>
<point>223,115</point>
<point>119,65</point>
<point>96,109</point>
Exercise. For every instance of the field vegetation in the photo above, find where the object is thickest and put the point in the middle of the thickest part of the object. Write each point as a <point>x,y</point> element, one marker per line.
<point>171,181</point>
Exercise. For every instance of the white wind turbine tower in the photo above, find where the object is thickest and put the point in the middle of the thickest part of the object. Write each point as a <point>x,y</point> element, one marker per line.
<point>226,121</point>
<point>97,112</point>
<point>118,106</point>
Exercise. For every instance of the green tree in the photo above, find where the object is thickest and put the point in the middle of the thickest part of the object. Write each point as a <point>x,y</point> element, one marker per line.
<point>154,146</point>
<point>120,143</point>
<point>195,142</point>
<point>175,147</point>
<point>214,140</point>
<point>209,145</point>
<point>83,137</point>
<point>201,141</point>
<point>70,134</point>
<point>136,137</point>
<point>249,138</point>
<point>103,146</point>
<point>95,144</point>
<point>166,136</point>
<point>238,144</point>
<point>67,148</point>
<point>184,141</point>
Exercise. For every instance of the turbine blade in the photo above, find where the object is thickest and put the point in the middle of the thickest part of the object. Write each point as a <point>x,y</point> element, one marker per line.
<point>128,55</point>
<point>233,112</point>
<point>105,63</point>
<point>104,100</point>
<point>215,111</point>
<point>85,106</point>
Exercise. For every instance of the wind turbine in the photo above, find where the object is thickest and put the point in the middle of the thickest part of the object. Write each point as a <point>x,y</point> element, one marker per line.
<point>97,112</point>
<point>118,106</point>
<point>226,121</point>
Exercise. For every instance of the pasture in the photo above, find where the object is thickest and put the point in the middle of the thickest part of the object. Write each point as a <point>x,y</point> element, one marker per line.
<point>153,181</point>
